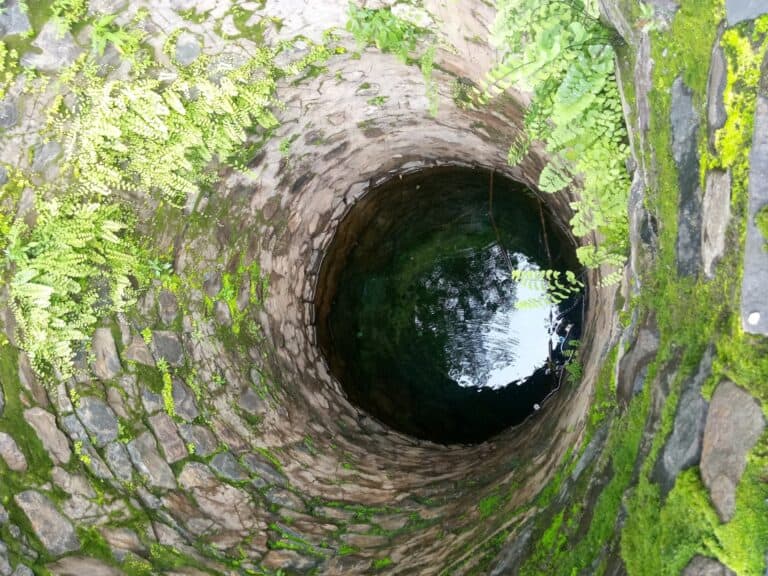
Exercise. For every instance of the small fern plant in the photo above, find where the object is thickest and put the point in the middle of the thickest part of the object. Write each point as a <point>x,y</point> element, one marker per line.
<point>562,54</point>
<point>75,265</point>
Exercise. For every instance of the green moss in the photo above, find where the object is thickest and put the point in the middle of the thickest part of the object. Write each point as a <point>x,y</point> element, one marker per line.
<point>489,505</point>
<point>380,563</point>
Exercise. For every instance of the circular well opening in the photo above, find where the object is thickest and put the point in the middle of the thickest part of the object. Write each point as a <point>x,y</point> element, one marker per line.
<point>419,315</point>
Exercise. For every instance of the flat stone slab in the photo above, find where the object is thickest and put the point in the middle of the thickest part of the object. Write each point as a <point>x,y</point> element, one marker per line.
<point>99,419</point>
<point>734,424</point>
<point>11,454</point>
<point>703,566</point>
<point>53,530</point>
<point>149,463</point>
<point>754,305</point>
<point>740,10</point>
<point>53,439</point>
<point>79,566</point>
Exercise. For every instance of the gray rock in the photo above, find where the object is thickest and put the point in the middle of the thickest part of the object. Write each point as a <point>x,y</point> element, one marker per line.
<point>222,314</point>
<point>734,424</point>
<point>74,428</point>
<point>284,499</point>
<point>633,365</point>
<point>200,437</point>
<point>148,462</point>
<point>212,283</point>
<point>167,437</point>
<point>289,561</point>
<point>29,381</point>
<point>716,214</point>
<point>259,466</point>
<point>122,541</point>
<point>152,402</point>
<point>11,454</point>
<point>107,363</point>
<point>184,401</point>
<point>118,461</point>
<point>754,306</point>
<point>739,10</point>
<point>251,403</point>
<point>106,6</point>
<point>685,124</point>
<point>168,307</point>
<point>22,570</point>
<point>12,20</point>
<point>511,557</point>
<point>3,175</point>
<point>188,49</point>
<point>53,439</point>
<point>53,530</point>
<point>227,466</point>
<point>45,158</point>
<point>9,113</point>
<point>716,115</point>
<point>58,50</point>
<point>683,449</point>
<point>702,566</point>
<point>138,351</point>
<point>167,345</point>
<point>98,418</point>
<point>80,566</point>
<point>5,565</point>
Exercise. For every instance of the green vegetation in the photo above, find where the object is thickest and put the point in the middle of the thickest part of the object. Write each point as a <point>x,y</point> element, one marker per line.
<point>489,505</point>
<point>761,221</point>
<point>392,34</point>
<point>563,54</point>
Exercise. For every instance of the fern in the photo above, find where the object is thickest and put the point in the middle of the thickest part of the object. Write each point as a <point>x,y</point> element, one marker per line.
<point>68,13</point>
<point>557,286</point>
<point>75,265</point>
<point>562,53</point>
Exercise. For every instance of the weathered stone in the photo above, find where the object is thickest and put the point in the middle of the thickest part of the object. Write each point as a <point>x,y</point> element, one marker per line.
<point>702,566</point>
<point>167,437</point>
<point>52,529</point>
<point>685,124</point>
<point>716,213</point>
<point>259,466</point>
<point>22,570</point>
<point>11,454</point>
<point>29,381</point>
<point>72,483</point>
<point>13,21</point>
<point>168,346</point>
<point>138,351</point>
<point>107,363</point>
<point>188,49</point>
<point>212,284</point>
<point>80,566</point>
<point>251,403</point>
<point>284,498</point>
<point>634,363</point>
<point>53,439</point>
<point>98,419</point>
<point>58,50</point>
<point>184,401</point>
<point>167,306</point>
<point>200,437</point>
<point>511,557</point>
<point>226,505</point>
<point>716,115</point>
<point>288,560</point>
<point>365,541</point>
<point>106,6</point>
<point>152,402</point>
<point>228,467</point>
<point>122,541</point>
<point>734,424</point>
<point>683,449</point>
<point>5,565</point>
<point>144,455</point>
<point>754,307</point>
<point>118,461</point>
<point>222,314</point>
<point>739,10</point>
<point>9,113</point>
<point>117,403</point>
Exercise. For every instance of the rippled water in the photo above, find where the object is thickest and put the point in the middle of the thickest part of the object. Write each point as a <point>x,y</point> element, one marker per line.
<point>427,329</point>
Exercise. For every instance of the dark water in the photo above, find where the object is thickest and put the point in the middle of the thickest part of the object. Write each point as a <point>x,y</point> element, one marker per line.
<point>422,322</point>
